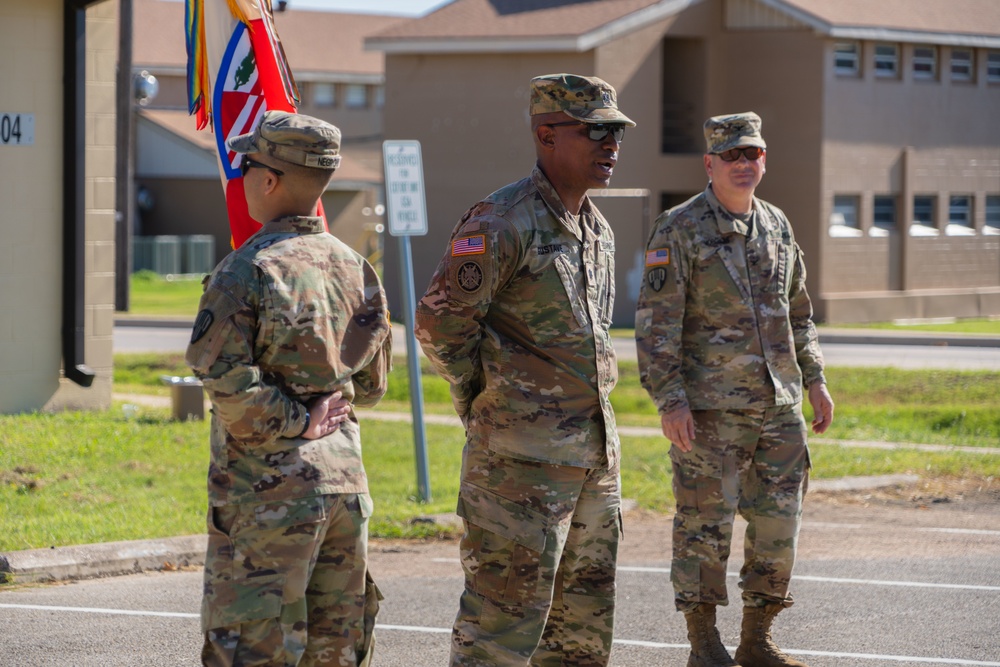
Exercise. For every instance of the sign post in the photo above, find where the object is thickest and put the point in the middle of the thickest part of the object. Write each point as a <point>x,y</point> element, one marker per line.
<point>407,212</point>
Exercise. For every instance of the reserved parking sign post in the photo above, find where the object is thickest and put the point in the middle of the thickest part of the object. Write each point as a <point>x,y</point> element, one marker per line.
<point>407,213</point>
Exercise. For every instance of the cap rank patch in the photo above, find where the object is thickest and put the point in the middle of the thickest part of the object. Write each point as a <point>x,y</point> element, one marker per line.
<point>471,245</point>
<point>658,257</point>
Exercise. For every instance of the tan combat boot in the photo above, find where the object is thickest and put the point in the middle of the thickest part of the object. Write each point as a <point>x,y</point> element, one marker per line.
<point>756,648</point>
<point>706,645</point>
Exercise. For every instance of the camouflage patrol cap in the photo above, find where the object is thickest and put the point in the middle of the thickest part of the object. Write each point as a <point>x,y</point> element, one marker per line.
<point>293,138</point>
<point>733,131</point>
<point>587,99</point>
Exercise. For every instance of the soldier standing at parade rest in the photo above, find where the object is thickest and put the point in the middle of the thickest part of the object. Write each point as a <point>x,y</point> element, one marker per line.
<point>726,342</point>
<point>516,319</point>
<point>293,330</point>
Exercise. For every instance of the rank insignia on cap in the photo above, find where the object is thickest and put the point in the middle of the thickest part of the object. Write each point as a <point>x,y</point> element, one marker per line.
<point>658,257</point>
<point>472,245</point>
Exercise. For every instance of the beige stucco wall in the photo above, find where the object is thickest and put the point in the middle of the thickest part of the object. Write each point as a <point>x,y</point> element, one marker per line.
<point>31,216</point>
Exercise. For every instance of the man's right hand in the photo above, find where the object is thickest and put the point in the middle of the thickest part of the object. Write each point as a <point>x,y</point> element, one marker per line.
<point>326,414</point>
<point>678,427</point>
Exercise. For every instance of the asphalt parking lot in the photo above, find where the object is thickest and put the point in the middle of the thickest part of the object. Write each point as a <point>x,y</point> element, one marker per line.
<point>880,581</point>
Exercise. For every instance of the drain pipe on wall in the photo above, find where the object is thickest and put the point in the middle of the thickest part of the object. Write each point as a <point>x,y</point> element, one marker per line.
<point>74,213</point>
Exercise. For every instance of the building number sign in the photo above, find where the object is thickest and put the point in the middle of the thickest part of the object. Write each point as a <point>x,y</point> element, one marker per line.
<point>17,129</point>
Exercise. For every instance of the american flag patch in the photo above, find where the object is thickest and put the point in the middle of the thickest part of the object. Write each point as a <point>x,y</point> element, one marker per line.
<point>658,257</point>
<point>472,245</point>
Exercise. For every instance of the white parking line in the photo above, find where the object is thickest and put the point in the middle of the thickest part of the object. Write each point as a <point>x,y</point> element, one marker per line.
<point>954,531</point>
<point>623,642</point>
<point>799,577</point>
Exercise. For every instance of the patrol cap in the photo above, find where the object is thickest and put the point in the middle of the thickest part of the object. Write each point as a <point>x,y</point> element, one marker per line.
<point>733,131</point>
<point>293,138</point>
<point>585,98</point>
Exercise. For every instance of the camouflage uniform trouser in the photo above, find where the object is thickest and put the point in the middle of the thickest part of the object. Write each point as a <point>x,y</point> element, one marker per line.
<point>753,461</point>
<point>539,553</point>
<point>286,583</point>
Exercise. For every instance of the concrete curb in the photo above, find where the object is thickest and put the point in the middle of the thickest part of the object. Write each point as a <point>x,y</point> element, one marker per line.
<point>102,560</point>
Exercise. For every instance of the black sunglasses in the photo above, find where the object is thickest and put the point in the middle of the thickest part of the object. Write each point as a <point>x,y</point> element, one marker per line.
<point>247,163</point>
<point>598,131</point>
<point>749,152</point>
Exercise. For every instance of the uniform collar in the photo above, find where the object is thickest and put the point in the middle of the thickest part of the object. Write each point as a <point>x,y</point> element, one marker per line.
<point>298,224</point>
<point>727,222</point>
<point>555,205</point>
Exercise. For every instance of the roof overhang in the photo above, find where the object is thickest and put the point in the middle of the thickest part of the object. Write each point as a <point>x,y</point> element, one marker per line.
<point>543,43</point>
<point>883,34</point>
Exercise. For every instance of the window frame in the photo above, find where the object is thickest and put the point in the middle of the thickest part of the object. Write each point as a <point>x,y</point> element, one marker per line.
<point>993,66</point>
<point>881,226</point>
<point>316,100</point>
<point>924,62</point>
<point>848,225</point>
<point>965,223</point>
<point>991,215</point>
<point>855,55</point>
<point>970,76</point>
<point>881,72</point>
<point>919,227</point>
<point>350,103</point>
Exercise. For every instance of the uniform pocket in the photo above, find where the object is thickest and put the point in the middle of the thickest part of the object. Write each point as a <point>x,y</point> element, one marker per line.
<point>568,277</point>
<point>510,539</point>
<point>229,603</point>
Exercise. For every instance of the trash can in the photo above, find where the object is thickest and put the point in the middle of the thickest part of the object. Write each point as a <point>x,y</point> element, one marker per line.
<point>187,397</point>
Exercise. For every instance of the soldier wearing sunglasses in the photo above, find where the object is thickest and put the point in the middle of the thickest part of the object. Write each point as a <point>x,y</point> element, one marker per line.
<point>726,344</point>
<point>516,319</point>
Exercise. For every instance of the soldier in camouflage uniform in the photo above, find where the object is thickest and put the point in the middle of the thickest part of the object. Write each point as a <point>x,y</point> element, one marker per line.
<point>293,330</point>
<point>516,319</point>
<point>726,342</point>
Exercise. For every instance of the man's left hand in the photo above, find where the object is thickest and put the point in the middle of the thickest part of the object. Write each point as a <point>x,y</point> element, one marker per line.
<point>822,405</point>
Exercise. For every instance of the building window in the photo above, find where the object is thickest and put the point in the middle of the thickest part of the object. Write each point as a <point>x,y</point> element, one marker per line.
<point>356,96</point>
<point>923,217</point>
<point>960,216</point>
<point>883,216</point>
<point>887,60</point>
<point>993,67</point>
<point>846,58</point>
<point>925,63</point>
<point>324,94</point>
<point>379,97</point>
<point>963,65</point>
<point>844,219</point>
<point>992,226</point>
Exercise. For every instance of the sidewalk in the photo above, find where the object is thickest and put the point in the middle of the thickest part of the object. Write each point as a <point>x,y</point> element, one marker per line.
<point>826,334</point>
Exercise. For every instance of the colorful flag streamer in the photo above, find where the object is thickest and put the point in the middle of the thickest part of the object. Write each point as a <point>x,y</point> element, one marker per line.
<point>236,70</point>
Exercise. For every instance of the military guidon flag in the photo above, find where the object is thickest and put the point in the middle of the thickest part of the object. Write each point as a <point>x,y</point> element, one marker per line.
<point>236,71</point>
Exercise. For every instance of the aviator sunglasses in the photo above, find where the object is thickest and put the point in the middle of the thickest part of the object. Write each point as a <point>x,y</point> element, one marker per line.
<point>598,131</point>
<point>749,152</point>
<point>247,163</point>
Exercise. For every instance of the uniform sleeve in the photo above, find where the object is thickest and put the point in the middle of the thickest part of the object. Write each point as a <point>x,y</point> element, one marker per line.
<point>807,350</point>
<point>659,318</point>
<point>221,355</point>
<point>371,382</point>
<point>481,257</point>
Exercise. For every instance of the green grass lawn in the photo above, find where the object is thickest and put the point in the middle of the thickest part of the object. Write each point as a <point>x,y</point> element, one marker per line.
<point>970,326</point>
<point>131,473</point>
<point>151,294</point>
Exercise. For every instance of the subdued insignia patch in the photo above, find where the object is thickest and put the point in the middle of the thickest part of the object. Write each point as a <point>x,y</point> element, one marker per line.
<point>657,278</point>
<point>470,277</point>
<point>201,325</point>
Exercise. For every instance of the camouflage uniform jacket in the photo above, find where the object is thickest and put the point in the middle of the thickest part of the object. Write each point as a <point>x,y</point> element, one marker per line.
<point>715,332</point>
<point>516,319</point>
<point>292,314</point>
